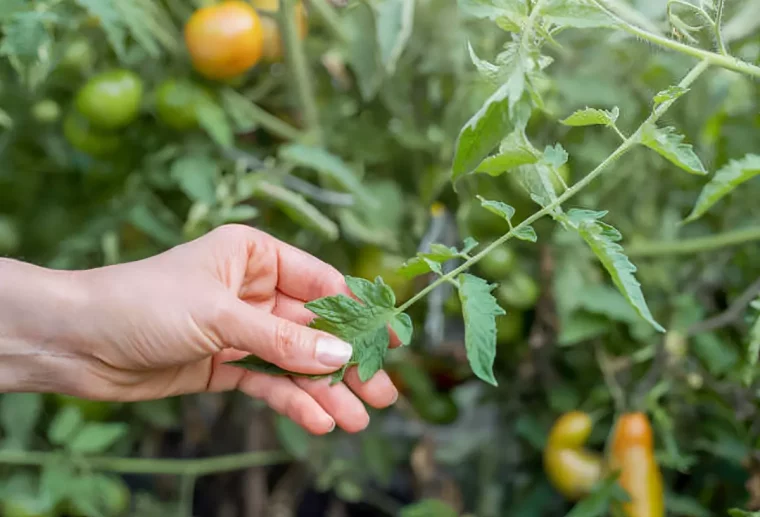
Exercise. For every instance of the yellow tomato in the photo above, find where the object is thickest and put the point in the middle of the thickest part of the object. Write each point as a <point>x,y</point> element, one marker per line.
<point>273,48</point>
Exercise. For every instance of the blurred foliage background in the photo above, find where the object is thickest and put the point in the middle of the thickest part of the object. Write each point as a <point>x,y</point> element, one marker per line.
<point>345,150</point>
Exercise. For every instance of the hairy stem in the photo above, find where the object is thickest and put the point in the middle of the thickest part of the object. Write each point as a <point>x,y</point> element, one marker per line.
<point>331,19</point>
<point>299,67</point>
<point>626,146</point>
<point>728,62</point>
<point>695,244</point>
<point>718,26</point>
<point>193,467</point>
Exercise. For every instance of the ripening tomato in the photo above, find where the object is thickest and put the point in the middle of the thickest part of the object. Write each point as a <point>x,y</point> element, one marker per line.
<point>509,327</point>
<point>82,135</point>
<point>224,40</point>
<point>273,48</point>
<point>177,101</point>
<point>111,99</point>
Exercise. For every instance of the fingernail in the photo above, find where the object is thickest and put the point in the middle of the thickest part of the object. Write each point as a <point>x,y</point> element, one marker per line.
<point>395,398</point>
<point>333,352</point>
<point>332,427</point>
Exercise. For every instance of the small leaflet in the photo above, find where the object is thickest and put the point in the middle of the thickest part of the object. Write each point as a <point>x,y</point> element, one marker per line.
<point>724,182</point>
<point>426,262</point>
<point>669,144</point>
<point>592,117</point>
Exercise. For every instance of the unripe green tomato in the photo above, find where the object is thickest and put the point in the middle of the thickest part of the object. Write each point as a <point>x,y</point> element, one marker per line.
<point>82,135</point>
<point>10,239</point>
<point>46,111</point>
<point>111,99</point>
<point>437,409</point>
<point>498,262</point>
<point>177,101</point>
<point>372,262</point>
<point>476,221</point>
<point>519,290</point>
<point>94,410</point>
<point>78,55</point>
<point>509,327</point>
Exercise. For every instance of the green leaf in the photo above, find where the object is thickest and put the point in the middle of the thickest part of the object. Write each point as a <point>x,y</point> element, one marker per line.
<point>298,209</point>
<point>525,233</point>
<point>110,21</point>
<point>736,512</point>
<point>669,144</point>
<point>403,327</point>
<point>19,414</point>
<point>213,120</point>
<point>505,161</point>
<point>479,308</point>
<point>363,325</point>
<point>256,364</point>
<point>724,182</point>
<point>483,132</point>
<point>97,437</point>
<point>363,54</point>
<point>329,165</point>
<point>592,117</point>
<point>555,156</point>
<point>395,19</point>
<point>670,94</point>
<point>67,421</point>
<point>24,34</point>
<point>603,241</point>
<point>494,9</point>
<point>428,508</point>
<point>503,210</point>
<point>425,262</point>
<point>294,438</point>
<point>753,352</point>
<point>579,14</point>
<point>196,176</point>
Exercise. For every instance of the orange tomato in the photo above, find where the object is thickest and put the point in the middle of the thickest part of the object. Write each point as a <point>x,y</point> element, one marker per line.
<point>273,48</point>
<point>225,40</point>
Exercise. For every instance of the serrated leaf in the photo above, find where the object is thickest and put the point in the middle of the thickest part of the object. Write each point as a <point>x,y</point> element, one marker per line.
<point>256,364</point>
<point>24,34</point>
<point>479,309</point>
<point>592,117</point>
<point>724,182</point>
<point>196,176</point>
<point>486,69</point>
<point>395,19</point>
<point>669,94</point>
<point>67,421</point>
<point>298,209</point>
<point>425,262</point>
<point>669,144</point>
<point>403,327</point>
<point>505,161</point>
<point>363,325</point>
<point>110,21</point>
<point>503,210</point>
<point>555,155</point>
<point>603,241</point>
<point>525,233</point>
<point>329,165</point>
<point>96,437</point>
<point>483,132</point>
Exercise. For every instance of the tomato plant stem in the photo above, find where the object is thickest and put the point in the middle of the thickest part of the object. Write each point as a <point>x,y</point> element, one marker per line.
<point>695,244</point>
<point>193,467</point>
<point>626,146</point>
<point>331,18</point>
<point>299,67</point>
<point>723,61</point>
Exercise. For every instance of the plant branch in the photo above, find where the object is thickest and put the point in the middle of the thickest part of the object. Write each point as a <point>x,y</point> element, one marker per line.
<point>192,467</point>
<point>299,67</point>
<point>728,62</point>
<point>718,26</point>
<point>331,19</point>
<point>694,245</point>
<point>626,146</point>
<point>730,315</point>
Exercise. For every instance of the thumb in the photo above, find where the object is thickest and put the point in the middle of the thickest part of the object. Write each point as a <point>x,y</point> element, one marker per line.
<point>291,346</point>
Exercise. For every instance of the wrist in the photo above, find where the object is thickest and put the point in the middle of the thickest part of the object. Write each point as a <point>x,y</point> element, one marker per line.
<point>39,308</point>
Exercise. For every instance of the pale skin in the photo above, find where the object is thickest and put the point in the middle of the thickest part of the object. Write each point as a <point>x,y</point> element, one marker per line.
<point>165,325</point>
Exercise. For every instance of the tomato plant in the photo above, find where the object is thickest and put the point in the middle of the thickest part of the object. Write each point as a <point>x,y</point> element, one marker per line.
<point>273,47</point>
<point>177,103</point>
<point>225,40</point>
<point>86,137</point>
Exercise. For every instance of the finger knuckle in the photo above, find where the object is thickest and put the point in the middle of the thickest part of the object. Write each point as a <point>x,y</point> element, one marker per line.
<point>288,341</point>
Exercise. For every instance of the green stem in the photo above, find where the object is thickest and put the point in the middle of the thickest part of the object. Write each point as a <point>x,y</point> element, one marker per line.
<point>299,67</point>
<point>694,245</point>
<point>273,124</point>
<point>626,146</point>
<point>331,19</point>
<point>728,62</point>
<point>186,493</point>
<point>718,26</point>
<point>194,467</point>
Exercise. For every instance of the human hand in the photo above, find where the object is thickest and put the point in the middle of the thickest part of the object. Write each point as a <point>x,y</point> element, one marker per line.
<point>166,325</point>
